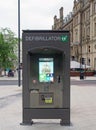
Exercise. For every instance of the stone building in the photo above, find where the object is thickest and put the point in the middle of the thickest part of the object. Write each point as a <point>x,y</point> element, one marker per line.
<point>82,25</point>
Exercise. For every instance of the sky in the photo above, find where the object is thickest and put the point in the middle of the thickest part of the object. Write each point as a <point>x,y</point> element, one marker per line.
<point>34,14</point>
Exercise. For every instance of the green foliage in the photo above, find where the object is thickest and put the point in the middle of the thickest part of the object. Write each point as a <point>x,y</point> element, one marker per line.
<point>8,48</point>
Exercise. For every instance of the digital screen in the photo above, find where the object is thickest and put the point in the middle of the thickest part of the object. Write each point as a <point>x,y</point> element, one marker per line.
<point>46,70</point>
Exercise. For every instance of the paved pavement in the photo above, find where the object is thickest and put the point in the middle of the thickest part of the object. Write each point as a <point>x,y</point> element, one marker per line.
<point>85,78</point>
<point>83,110</point>
<point>73,78</point>
<point>9,78</point>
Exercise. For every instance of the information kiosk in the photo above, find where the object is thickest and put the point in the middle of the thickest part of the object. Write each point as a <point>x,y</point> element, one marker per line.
<point>46,75</point>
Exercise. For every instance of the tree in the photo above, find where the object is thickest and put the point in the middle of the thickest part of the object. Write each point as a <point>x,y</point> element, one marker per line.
<point>8,48</point>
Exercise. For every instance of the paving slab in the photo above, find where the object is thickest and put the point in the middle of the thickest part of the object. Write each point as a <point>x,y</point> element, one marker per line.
<point>83,110</point>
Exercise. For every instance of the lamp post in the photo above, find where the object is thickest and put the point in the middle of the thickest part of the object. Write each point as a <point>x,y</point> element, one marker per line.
<point>19,74</point>
<point>81,72</point>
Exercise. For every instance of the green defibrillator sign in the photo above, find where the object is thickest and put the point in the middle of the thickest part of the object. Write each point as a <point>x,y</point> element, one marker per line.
<point>64,38</point>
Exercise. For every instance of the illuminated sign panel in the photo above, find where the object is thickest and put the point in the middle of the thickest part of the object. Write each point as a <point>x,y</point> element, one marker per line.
<point>62,38</point>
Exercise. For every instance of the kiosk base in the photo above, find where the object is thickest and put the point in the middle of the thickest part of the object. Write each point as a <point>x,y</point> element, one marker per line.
<point>63,114</point>
<point>27,123</point>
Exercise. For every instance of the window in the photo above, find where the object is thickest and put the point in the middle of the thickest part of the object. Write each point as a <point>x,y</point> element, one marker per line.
<point>88,15</point>
<point>89,61</point>
<point>76,20</point>
<point>88,33</point>
<point>89,49</point>
<point>83,32</point>
<point>95,63</point>
<point>83,17</point>
<point>76,35</point>
<point>94,29</point>
<point>73,58</point>
<point>94,7</point>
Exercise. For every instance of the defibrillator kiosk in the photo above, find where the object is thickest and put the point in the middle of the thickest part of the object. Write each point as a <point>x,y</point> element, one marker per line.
<point>46,75</point>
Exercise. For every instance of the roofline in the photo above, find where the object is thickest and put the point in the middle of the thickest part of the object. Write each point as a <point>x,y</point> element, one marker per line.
<point>45,31</point>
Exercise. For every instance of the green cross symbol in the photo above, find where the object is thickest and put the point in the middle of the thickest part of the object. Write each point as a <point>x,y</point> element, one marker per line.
<point>64,38</point>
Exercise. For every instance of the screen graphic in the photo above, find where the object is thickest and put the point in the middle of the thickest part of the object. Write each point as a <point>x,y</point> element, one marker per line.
<point>46,69</point>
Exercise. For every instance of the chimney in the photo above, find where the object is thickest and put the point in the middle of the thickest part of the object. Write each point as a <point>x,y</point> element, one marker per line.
<point>75,2</point>
<point>55,19</point>
<point>61,16</point>
<point>61,13</point>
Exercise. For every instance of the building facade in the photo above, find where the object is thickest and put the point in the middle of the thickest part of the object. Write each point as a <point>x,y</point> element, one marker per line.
<point>82,25</point>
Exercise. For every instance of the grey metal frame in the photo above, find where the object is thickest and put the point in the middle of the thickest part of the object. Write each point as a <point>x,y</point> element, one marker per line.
<point>46,113</point>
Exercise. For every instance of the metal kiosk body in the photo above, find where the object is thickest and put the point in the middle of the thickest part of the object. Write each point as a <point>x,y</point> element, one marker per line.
<point>46,75</point>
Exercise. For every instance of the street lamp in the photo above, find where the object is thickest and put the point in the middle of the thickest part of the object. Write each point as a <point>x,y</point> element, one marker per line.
<point>81,72</point>
<point>19,74</point>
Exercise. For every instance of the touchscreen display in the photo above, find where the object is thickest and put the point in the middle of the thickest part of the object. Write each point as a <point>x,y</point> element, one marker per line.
<point>46,70</point>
